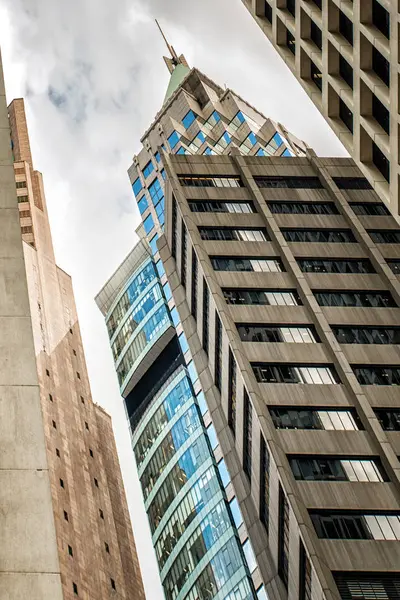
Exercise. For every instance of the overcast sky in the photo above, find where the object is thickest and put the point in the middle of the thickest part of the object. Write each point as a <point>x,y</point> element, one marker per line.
<point>92,76</point>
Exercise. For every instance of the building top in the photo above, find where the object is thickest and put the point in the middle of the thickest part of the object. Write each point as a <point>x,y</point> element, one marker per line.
<point>177,66</point>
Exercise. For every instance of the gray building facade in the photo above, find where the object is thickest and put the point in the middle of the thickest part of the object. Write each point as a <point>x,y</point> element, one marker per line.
<point>289,301</point>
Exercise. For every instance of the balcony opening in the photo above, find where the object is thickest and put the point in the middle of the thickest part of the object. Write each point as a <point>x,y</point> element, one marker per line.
<point>381,18</point>
<point>381,162</point>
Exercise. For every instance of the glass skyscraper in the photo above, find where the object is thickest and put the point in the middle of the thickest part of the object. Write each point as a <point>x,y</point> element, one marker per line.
<point>201,543</point>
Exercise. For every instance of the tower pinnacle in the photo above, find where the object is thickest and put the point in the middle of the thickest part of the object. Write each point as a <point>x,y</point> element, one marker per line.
<point>175,60</point>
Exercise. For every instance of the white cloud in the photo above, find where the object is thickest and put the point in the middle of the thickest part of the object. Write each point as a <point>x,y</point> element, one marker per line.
<point>93,78</point>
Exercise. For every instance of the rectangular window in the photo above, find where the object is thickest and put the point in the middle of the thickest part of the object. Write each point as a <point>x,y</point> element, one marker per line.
<point>218,352</point>
<point>289,373</point>
<point>389,418</point>
<point>142,204</point>
<point>194,285</point>
<point>346,115</point>
<point>173,139</point>
<point>338,265</point>
<point>380,161</point>
<point>232,393</point>
<point>377,375</point>
<point>346,27</point>
<point>394,265</point>
<point>304,574</point>
<point>221,207</point>
<point>366,335</point>
<point>344,468</point>
<point>301,334</point>
<point>230,233</point>
<point>316,35</point>
<point>367,585</point>
<point>381,66</point>
<point>381,18</point>
<point>148,224</point>
<point>262,297</point>
<point>183,255</point>
<point>352,525</point>
<point>268,11</point>
<point>352,183</point>
<point>381,114</point>
<point>205,316</point>
<point>262,265</point>
<point>369,208</point>
<point>247,434</point>
<point>346,71</point>
<point>330,236</point>
<point>148,169</point>
<point>137,186</point>
<point>382,236</point>
<point>354,298</point>
<point>20,184</point>
<point>303,208</point>
<point>188,119</point>
<point>212,120</point>
<point>325,419</point>
<point>174,227</point>
<point>225,181</point>
<point>283,537</point>
<point>288,182</point>
<point>264,483</point>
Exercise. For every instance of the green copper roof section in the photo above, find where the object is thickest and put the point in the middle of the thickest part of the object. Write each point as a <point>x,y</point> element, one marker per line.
<point>177,76</point>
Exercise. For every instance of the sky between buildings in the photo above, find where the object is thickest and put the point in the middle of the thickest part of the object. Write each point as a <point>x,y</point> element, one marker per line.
<point>93,78</point>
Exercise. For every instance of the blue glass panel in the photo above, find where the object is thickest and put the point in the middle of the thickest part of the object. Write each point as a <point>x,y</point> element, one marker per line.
<point>137,186</point>
<point>153,243</point>
<point>183,342</point>
<point>160,268</point>
<point>200,136</point>
<point>201,400</point>
<point>175,317</point>
<point>212,436</point>
<point>177,397</point>
<point>262,594</point>
<point>139,284</point>
<point>227,137</point>
<point>277,139</point>
<point>287,153</point>
<point>252,138</point>
<point>148,169</point>
<point>148,224</point>
<point>216,116</point>
<point>155,191</point>
<point>249,555</point>
<point>181,150</point>
<point>167,291</point>
<point>163,174</point>
<point>236,513</point>
<point>157,156</point>
<point>261,152</point>
<point>161,219</point>
<point>188,119</point>
<point>240,117</point>
<point>173,139</point>
<point>208,151</point>
<point>142,204</point>
<point>192,372</point>
<point>223,472</point>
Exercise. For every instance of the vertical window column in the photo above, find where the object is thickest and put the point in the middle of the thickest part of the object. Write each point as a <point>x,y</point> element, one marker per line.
<point>218,352</point>
<point>205,316</point>
<point>174,228</point>
<point>194,285</point>
<point>183,255</point>
<point>247,434</point>
<point>304,574</point>
<point>283,537</point>
<point>232,393</point>
<point>264,484</point>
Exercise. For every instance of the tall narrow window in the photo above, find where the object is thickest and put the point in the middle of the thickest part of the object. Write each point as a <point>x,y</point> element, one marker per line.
<point>194,284</point>
<point>283,541</point>
<point>218,351</point>
<point>174,228</point>
<point>247,434</point>
<point>264,484</point>
<point>305,574</point>
<point>232,393</point>
<point>205,317</point>
<point>183,255</point>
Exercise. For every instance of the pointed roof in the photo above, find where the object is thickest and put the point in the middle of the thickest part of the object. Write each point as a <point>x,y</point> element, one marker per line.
<point>177,66</point>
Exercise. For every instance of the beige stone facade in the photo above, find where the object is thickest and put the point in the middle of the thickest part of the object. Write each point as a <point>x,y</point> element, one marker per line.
<point>96,549</point>
<point>248,380</point>
<point>345,55</point>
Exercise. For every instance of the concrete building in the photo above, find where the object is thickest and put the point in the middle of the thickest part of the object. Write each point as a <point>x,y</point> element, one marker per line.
<point>183,475</point>
<point>291,315</point>
<point>87,528</point>
<point>345,55</point>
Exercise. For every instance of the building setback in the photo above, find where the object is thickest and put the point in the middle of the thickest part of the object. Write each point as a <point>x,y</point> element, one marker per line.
<point>96,550</point>
<point>345,55</point>
<point>298,358</point>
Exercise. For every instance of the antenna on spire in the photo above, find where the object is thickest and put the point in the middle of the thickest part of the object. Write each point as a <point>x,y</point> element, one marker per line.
<point>174,56</point>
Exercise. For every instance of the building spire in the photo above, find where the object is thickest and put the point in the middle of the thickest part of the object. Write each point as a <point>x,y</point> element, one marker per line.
<point>174,56</point>
<point>175,60</point>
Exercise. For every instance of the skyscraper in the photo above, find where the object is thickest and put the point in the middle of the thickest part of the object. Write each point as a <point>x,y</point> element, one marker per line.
<point>201,542</point>
<point>297,350</point>
<point>96,550</point>
<point>345,55</point>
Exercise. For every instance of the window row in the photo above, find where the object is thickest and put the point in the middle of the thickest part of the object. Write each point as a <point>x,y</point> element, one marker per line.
<point>327,468</point>
<point>307,265</point>
<point>326,419</point>
<point>221,207</point>
<point>335,236</point>
<point>269,333</point>
<point>286,373</point>
<point>208,181</point>
<point>354,526</point>
<point>262,297</point>
<point>261,265</point>
<point>366,335</point>
<point>303,208</point>
<point>230,233</point>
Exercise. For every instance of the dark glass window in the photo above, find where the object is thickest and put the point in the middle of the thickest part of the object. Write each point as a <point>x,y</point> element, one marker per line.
<point>326,419</point>
<point>288,182</point>
<point>296,334</point>
<point>316,75</point>
<point>247,434</point>
<point>262,265</point>
<point>344,468</point>
<point>352,525</point>
<point>366,585</point>
<point>232,390</point>
<point>381,66</point>
<point>291,6</point>
<point>174,228</point>
<point>346,71</point>
<point>304,574</point>
<point>366,335</point>
<point>260,297</point>
<point>218,206</point>
<point>264,483</point>
<point>205,316</point>
<point>338,236</point>
<point>394,265</point>
<point>381,114</point>
<point>350,265</point>
<point>194,285</point>
<point>291,42</point>
<point>346,27</point>
<point>352,183</point>
<point>283,537</point>
<point>288,373</point>
<point>353,298</point>
<point>377,375</point>
<point>381,18</point>
<point>303,208</point>
<point>389,236</point>
<point>346,115</point>
<point>183,255</point>
<point>380,161</point>
<point>389,418</point>
<point>268,11</point>
<point>316,35</point>
<point>210,181</point>
<point>218,352</point>
<point>231,233</point>
<point>369,208</point>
